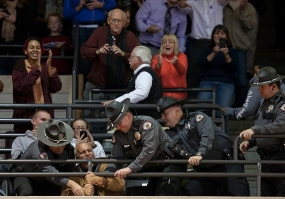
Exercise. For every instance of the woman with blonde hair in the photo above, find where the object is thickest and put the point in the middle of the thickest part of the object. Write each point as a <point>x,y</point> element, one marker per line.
<point>171,66</point>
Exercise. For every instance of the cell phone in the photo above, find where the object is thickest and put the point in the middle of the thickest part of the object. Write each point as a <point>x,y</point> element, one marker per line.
<point>88,1</point>
<point>84,133</point>
<point>5,11</point>
<point>222,43</point>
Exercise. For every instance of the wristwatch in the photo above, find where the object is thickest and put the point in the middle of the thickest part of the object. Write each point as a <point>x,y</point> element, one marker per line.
<point>199,154</point>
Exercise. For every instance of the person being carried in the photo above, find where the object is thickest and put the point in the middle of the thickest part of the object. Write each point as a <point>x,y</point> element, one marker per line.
<point>104,186</point>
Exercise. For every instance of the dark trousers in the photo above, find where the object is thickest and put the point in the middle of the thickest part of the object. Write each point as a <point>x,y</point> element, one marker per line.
<point>273,186</point>
<point>165,186</point>
<point>35,187</point>
<point>232,186</point>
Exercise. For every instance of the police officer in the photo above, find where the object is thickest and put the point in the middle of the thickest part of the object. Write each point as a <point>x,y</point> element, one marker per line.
<point>53,143</point>
<point>270,120</point>
<point>253,100</point>
<point>141,138</point>
<point>198,134</point>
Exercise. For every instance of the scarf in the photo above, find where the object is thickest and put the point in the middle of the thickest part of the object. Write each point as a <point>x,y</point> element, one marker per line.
<point>37,87</point>
<point>7,27</point>
<point>115,64</point>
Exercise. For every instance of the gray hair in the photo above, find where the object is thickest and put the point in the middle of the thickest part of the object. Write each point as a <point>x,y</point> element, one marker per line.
<point>124,13</point>
<point>144,53</point>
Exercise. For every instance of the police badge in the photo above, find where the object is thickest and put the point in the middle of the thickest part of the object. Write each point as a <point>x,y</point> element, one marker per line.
<point>137,137</point>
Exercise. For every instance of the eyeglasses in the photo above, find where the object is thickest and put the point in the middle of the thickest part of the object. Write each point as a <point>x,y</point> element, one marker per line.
<point>132,57</point>
<point>166,41</point>
<point>79,128</point>
<point>113,21</point>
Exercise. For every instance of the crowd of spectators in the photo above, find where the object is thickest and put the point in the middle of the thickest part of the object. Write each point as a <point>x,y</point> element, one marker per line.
<point>117,38</point>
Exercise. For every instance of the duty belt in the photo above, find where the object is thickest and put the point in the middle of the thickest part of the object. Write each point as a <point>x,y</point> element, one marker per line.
<point>269,150</point>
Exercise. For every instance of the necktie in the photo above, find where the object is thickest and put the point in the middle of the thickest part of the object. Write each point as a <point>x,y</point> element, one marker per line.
<point>167,22</point>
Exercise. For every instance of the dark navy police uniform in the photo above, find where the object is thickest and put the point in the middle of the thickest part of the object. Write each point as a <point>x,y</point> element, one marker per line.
<point>199,135</point>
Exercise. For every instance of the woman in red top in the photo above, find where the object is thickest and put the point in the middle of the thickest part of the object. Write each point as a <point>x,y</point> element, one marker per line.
<point>171,66</point>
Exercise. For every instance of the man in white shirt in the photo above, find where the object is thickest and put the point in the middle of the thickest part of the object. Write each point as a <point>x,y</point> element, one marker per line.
<point>205,15</point>
<point>145,86</point>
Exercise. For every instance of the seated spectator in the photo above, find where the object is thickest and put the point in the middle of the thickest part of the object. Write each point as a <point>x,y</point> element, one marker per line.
<point>33,82</point>
<point>218,64</point>
<point>53,143</point>
<point>108,48</point>
<point>253,99</point>
<point>171,66</point>
<point>80,125</point>
<point>103,186</point>
<point>54,23</point>
<point>21,143</point>
<point>1,86</point>
<point>145,86</point>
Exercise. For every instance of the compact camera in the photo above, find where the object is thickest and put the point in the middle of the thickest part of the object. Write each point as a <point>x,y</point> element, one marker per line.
<point>88,1</point>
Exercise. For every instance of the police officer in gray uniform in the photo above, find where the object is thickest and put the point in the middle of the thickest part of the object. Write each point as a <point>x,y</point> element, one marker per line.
<point>270,120</point>
<point>142,138</point>
<point>252,103</point>
<point>53,143</point>
<point>198,134</point>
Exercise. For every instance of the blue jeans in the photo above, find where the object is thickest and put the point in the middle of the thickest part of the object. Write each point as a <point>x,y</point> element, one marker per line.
<point>224,96</point>
<point>83,66</point>
<point>224,92</point>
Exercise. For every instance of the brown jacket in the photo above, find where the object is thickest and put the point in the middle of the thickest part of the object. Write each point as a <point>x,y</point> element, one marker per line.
<point>115,185</point>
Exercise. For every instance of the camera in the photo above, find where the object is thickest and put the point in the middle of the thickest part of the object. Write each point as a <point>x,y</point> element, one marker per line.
<point>222,43</point>
<point>84,133</point>
<point>5,11</point>
<point>88,1</point>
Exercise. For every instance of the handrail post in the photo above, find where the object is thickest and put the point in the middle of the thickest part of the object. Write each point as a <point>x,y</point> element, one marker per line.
<point>75,62</point>
<point>258,179</point>
<point>236,148</point>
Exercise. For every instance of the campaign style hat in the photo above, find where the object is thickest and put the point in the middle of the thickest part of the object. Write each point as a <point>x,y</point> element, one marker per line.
<point>267,75</point>
<point>115,111</point>
<point>167,102</point>
<point>55,133</point>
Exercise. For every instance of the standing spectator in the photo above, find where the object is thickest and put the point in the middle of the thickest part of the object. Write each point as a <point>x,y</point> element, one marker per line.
<point>239,18</point>
<point>54,23</point>
<point>21,143</point>
<point>145,86</point>
<point>205,15</point>
<point>270,120</point>
<point>218,64</point>
<point>90,15</point>
<point>171,66</point>
<point>33,81</point>
<point>109,49</point>
<point>130,19</point>
<point>79,125</point>
<point>152,23</point>
<point>7,28</point>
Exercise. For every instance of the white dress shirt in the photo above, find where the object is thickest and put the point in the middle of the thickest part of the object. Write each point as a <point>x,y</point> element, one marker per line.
<point>143,85</point>
<point>205,15</point>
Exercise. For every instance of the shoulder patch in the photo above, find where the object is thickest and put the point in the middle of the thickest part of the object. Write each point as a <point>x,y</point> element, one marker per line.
<point>43,155</point>
<point>113,139</point>
<point>146,125</point>
<point>199,118</point>
<point>282,107</point>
